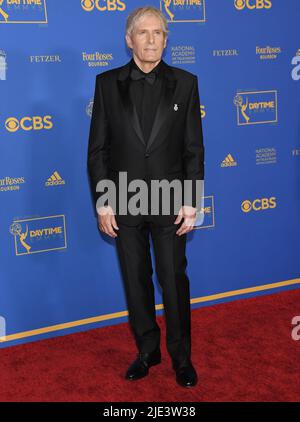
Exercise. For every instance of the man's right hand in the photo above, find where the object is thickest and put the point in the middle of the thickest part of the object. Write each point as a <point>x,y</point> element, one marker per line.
<point>107,221</point>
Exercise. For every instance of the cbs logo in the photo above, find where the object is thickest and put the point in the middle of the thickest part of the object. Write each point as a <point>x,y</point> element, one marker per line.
<point>28,123</point>
<point>258,204</point>
<point>111,5</point>
<point>252,4</point>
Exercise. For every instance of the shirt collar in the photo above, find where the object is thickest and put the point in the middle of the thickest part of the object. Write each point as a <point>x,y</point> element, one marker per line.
<point>157,69</point>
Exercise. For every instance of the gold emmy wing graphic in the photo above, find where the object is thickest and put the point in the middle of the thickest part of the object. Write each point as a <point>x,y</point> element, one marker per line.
<point>238,101</point>
<point>168,11</point>
<point>16,230</point>
<point>4,14</point>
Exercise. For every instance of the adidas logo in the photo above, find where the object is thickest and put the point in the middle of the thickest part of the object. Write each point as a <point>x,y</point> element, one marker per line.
<point>55,180</point>
<point>228,161</point>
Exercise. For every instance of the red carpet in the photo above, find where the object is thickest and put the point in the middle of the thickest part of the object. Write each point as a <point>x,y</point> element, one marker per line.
<point>243,351</point>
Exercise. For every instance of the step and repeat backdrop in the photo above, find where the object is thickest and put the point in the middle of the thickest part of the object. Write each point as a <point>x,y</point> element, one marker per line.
<point>58,273</point>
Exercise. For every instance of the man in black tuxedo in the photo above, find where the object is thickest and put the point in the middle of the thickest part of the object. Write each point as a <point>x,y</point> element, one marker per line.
<point>146,123</point>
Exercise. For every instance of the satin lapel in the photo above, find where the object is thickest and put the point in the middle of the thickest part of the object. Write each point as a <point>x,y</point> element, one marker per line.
<point>130,109</point>
<point>163,109</point>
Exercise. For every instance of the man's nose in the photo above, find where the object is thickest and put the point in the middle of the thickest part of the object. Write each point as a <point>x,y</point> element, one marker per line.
<point>151,38</point>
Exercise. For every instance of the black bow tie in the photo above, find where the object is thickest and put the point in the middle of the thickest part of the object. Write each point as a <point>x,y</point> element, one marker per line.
<point>137,74</point>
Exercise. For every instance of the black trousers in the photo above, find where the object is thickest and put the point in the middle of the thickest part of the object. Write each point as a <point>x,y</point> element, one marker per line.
<point>133,248</point>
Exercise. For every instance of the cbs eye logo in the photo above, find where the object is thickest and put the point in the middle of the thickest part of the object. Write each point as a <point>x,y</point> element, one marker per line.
<point>111,5</point>
<point>28,123</point>
<point>252,4</point>
<point>258,204</point>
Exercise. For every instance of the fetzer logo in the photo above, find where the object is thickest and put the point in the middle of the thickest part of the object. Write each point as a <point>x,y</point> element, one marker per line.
<point>23,11</point>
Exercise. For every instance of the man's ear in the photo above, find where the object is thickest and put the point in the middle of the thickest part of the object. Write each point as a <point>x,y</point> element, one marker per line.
<point>128,41</point>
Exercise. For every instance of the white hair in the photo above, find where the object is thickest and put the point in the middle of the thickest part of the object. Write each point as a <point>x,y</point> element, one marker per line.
<point>141,12</point>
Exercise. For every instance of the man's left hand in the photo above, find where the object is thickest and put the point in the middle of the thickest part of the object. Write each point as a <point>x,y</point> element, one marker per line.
<point>189,215</point>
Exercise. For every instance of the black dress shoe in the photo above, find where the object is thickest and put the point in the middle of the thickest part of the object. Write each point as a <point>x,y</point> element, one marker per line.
<point>186,376</point>
<point>140,367</point>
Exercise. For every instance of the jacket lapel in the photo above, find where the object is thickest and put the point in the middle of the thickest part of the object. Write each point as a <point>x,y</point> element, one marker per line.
<point>168,90</point>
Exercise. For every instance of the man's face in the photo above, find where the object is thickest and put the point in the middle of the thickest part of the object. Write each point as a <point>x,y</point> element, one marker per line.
<point>147,39</point>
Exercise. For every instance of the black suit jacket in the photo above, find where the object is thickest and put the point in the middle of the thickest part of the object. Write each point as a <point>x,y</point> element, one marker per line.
<point>175,147</point>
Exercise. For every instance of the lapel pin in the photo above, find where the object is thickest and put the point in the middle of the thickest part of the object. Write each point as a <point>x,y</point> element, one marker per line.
<point>175,107</point>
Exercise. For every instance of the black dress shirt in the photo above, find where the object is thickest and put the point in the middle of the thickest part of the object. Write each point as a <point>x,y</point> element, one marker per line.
<point>146,96</point>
